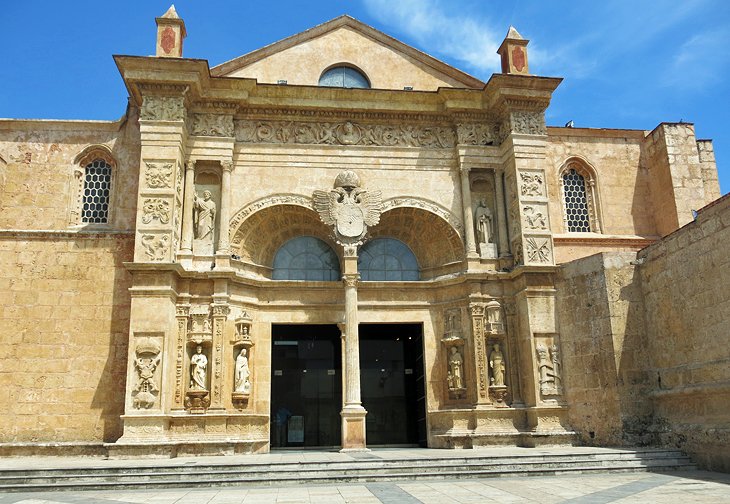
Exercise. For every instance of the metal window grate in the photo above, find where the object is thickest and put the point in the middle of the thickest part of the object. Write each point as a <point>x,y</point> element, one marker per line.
<point>577,216</point>
<point>97,184</point>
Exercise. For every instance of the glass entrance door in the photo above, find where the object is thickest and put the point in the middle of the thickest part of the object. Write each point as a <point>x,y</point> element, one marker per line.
<point>392,383</point>
<point>306,386</point>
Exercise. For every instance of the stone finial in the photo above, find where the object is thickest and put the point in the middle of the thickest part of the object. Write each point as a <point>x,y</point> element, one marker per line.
<point>170,34</point>
<point>513,52</point>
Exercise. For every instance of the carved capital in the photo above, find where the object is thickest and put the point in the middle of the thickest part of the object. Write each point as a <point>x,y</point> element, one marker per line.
<point>182,310</point>
<point>227,165</point>
<point>477,309</point>
<point>351,280</point>
<point>221,310</point>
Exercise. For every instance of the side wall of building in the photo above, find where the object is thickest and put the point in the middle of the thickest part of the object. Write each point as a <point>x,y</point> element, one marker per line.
<point>685,280</point>
<point>65,304</point>
<point>600,309</point>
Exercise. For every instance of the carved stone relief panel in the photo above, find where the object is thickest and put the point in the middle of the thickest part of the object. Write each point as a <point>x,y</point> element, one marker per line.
<point>156,246</point>
<point>538,250</point>
<point>146,361</point>
<point>163,108</point>
<point>477,317</point>
<point>344,133</point>
<point>549,365</point>
<point>212,125</point>
<point>476,133</point>
<point>181,314</point>
<point>158,175</point>
<point>156,209</point>
<point>535,217</point>
<point>532,184</point>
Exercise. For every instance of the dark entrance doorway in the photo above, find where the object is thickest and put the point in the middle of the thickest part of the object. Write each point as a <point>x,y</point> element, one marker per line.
<point>392,383</point>
<point>306,386</point>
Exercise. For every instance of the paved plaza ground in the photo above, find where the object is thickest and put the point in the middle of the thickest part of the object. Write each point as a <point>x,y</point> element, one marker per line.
<point>682,487</point>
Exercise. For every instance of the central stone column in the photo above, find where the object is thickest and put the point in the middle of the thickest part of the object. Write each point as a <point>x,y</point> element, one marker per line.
<point>471,248</point>
<point>350,210</point>
<point>353,414</point>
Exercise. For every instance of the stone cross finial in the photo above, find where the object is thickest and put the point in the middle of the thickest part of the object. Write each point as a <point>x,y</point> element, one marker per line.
<point>170,34</point>
<point>513,52</point>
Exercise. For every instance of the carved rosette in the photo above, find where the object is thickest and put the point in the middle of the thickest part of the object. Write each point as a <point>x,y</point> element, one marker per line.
<point>158,175</point>
<point>156,209</point>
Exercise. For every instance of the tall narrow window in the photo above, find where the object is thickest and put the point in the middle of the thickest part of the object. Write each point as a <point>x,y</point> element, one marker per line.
<point>97,186</point>
<point>580,197</point>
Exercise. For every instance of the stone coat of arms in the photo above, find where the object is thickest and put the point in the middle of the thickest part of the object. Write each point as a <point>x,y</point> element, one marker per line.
<point>348,208</point>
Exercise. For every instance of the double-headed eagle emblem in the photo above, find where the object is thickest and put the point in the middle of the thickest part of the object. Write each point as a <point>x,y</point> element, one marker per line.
<point>348,208</point>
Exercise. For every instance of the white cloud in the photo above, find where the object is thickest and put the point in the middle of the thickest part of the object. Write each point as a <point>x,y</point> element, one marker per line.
<point>700,62</point>
<point>463,38</point>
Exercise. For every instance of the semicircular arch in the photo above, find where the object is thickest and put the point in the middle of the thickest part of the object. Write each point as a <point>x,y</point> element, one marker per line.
<point>263,232</point>
<point>429,206</point>
<point>435,243</point>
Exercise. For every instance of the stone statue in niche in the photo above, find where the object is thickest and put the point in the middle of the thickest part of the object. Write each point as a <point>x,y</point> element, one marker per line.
<point>456,368</point>
<point>147,358</point>
<point>242,373</point>
<point>549,369</point>
<point>484,222</point>
<point>198,369</point>
<point>204,209</point>
<point>496,363</point>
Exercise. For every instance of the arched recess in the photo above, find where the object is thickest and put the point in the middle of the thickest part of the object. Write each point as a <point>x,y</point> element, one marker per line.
<point>257,238</point>
<point>92,195</point>
<point>435,243</point>
<point>577,174</point>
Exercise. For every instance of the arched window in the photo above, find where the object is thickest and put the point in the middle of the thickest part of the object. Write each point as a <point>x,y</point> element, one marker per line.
<point>387,259</point>
<point>97,185</point>
<point>306,258</point>
<point>93,180</point>
<point>344,76</point>
<point>580,204</point>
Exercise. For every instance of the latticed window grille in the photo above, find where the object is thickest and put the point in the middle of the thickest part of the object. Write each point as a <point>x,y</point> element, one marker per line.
<point>97,185</point>
<point>577,206</point>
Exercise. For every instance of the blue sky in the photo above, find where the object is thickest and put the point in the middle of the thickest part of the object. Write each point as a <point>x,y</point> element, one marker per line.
<point>626,64</point>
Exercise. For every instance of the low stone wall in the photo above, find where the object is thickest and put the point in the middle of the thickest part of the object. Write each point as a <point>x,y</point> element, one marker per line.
<point>686,288</point>
<point>65,325</point>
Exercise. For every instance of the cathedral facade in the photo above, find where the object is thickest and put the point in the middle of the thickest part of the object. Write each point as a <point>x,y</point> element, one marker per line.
<point>333,241</point>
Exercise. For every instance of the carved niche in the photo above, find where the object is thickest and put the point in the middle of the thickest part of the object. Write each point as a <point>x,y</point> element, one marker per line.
<point>242,345</point>
<point>453,340</point>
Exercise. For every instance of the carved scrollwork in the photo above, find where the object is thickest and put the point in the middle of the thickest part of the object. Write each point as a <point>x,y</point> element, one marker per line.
<point>156,209</point>
<point>344,133</point>
<point>475,134</point>
<point>156,246</point>
<point>532,184</point>
<point>158,175</point>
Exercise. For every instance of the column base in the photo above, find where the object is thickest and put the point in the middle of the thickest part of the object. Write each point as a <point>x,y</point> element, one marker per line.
<point>185,258</point>
<point>353,428</point>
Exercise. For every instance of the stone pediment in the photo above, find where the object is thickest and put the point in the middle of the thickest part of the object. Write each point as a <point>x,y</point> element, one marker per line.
<point>388,63</point>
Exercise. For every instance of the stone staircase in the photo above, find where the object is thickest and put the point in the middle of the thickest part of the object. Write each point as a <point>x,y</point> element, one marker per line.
<point>261,470</point>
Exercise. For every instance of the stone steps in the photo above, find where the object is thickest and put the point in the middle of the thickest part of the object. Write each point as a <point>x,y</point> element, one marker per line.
<point>253,473</point>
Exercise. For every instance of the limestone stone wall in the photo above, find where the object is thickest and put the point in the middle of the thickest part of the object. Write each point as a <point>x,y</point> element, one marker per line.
<point>685,280</point>
<point>65,322</point>
<point>601,314</point>
<point>38,187</point>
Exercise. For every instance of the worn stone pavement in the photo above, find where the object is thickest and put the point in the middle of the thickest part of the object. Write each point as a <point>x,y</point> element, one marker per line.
<point>682,487</point>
